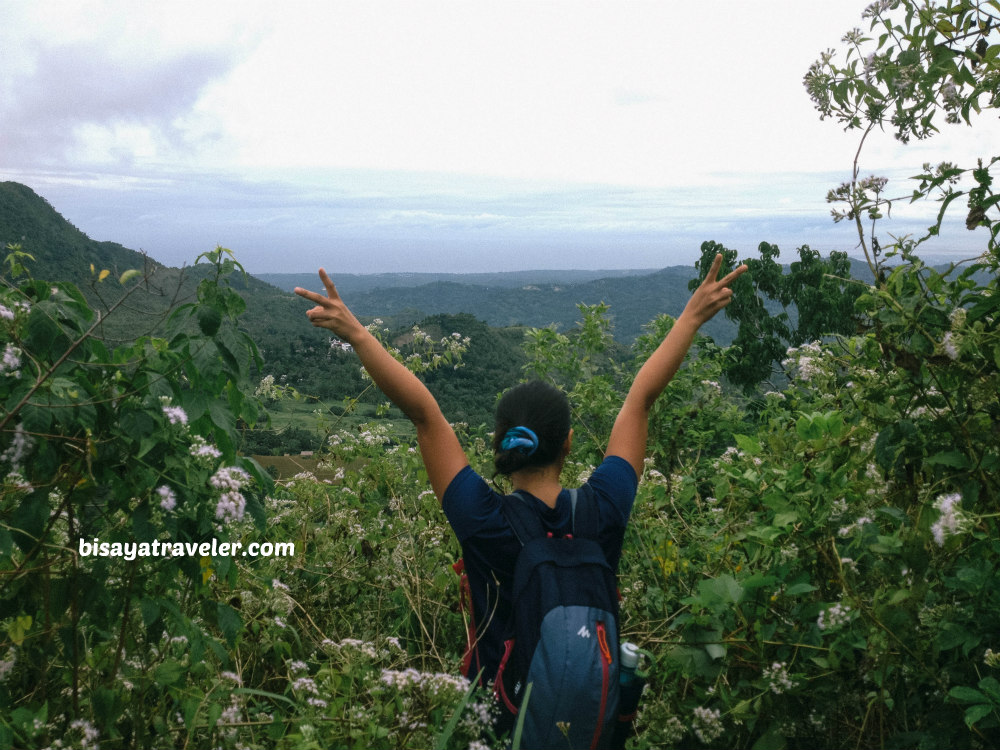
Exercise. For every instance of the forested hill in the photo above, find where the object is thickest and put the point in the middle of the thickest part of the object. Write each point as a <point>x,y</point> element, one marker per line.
<point>634,301</point>
<point>61,252</point>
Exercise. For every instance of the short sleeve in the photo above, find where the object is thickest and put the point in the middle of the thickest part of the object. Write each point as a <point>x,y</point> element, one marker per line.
<point>472,507</point>
<point>614,484</point>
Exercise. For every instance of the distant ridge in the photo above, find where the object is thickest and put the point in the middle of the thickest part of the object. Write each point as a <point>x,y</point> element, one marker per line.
<point>352,282</point>
<point>521,298</point>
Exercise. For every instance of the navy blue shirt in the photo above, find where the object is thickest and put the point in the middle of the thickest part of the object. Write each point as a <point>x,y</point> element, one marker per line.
<point>490,548</point>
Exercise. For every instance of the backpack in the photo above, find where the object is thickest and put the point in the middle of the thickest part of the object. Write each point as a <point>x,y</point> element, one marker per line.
<point>563,638</point>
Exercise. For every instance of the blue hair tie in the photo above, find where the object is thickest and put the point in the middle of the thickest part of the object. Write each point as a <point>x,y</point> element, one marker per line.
<point>520,438</point>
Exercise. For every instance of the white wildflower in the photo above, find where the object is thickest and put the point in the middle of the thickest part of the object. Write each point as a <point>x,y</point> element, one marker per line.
<point>7,663</point>
<point>778,678</point>
<point>951,521</point>
<point>231,506</point>
<point>707,724</point>
<point>176,415</point>
<point>834,617</point>
<point>200,449</point>
<point>949,345</point>
<point>168,500</point>
<point>11,361</point>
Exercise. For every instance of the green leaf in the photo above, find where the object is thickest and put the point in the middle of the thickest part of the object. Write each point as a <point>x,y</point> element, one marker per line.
<point>899,595</point>
<point>770,740</point>
<point>230,622</point>
<point>724,588</point>
<point>991,687</point>
<point>977,712</point>
<point>747,444</point>
<point>129,274</point>
<point>209,320</point>
<point>965,694</point>
<point>954,459</point>
<point>168,673</point>
<point>44,339</point>
<point>799,588</point>
<point>715,650</point>
<point>788,518</point>
<point>150,611</point>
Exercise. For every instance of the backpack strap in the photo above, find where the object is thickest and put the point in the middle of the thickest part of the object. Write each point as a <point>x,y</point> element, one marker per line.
<point>522,518</point>
<point>527,525</point>
<point>586,522</point>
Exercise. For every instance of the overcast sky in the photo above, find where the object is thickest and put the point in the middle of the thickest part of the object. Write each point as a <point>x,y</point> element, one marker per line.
<point>463,136</point>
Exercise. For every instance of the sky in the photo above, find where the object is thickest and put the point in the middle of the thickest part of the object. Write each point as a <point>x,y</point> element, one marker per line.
<point>441,136</point>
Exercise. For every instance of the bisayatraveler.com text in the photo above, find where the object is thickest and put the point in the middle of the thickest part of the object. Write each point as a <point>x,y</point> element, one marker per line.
<point>157,548</point>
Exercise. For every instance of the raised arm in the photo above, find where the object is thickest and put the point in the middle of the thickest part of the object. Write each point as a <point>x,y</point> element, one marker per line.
<point>442,453</point>
<point>629,434</point>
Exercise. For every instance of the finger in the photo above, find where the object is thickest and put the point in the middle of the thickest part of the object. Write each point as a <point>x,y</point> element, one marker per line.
<point>733,275</point>
<point>311,296</point>
<point>331,290</point>
<point>713,272</point>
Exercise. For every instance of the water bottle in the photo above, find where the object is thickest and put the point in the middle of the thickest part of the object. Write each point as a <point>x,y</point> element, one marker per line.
<point>631,682</point>
<point>628,662</point>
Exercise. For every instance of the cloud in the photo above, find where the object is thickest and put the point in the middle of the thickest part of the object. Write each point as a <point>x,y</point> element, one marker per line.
<point>91,101</point>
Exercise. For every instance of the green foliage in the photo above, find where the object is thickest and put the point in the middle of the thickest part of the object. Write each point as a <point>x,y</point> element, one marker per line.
<point>816,299</point>
<point>920,60</point>
<point>133,448</point>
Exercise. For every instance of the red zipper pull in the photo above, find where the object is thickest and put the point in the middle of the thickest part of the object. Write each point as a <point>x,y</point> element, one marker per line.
<point>602,640</point>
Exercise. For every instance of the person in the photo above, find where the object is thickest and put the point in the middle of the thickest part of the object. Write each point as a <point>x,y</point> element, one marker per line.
<point>532,440</point>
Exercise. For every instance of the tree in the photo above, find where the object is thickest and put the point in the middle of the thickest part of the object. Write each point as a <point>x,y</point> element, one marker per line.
<point>921,61</point>
<point>815,298</point>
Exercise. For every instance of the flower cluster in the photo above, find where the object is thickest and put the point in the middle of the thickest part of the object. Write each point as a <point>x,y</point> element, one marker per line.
<point>806,359</point>
<point>712,385</point>
<point>856,526</point>
<point>834,617</point>
<point>10,364</point>
<point>951,520</point>
<point>168,499</point>
<point>202,451</point>
<point>949,345</point>
<point>232,504</point>
<point>434,683</point>
<point>707,724</point>
<point>268,389</point>
<point>175,414</point>
<point>18,450</point>
<point>7,663</point>
<point>7,313</point>
<point>82,735</point>
<point>305,685</point>
<point>778,678</point>
<point>878,8</point>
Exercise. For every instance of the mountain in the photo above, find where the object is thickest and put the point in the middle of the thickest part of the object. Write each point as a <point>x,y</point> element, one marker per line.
<point>63,253</point>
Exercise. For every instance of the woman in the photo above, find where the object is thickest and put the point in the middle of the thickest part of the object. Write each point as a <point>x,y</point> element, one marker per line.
<point>532,440</point>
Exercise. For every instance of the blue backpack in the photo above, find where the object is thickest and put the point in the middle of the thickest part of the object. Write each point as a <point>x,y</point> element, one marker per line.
<point>563,640</point>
